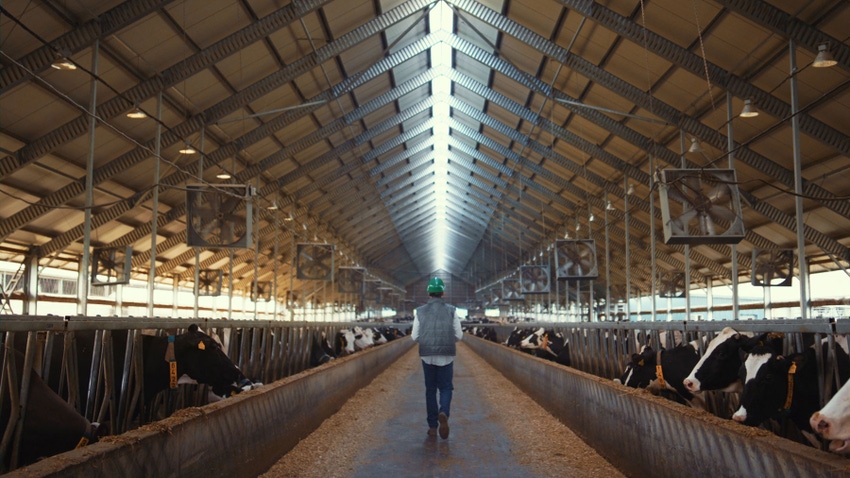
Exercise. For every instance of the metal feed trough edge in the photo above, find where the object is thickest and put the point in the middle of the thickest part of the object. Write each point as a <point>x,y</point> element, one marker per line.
<point>241,436</point>
<point>643,435</point>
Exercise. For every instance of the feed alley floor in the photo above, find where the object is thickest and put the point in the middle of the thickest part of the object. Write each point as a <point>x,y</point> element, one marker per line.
<point>496,431</point>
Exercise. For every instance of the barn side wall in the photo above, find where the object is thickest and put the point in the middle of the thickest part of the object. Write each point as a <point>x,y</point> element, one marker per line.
<point>644,435</point>
<point>240,436</point>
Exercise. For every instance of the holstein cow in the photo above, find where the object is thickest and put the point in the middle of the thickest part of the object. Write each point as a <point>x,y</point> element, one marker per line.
<point>321,351</point>
<point>832,422</point>
<point>664,369</point>
<point>50,424</point>
<point>548,344</point>
<point>196,355</point>
<point>516,337</point>
<point>198,358</point>
<point>775,385</point>
<point>718,367</point>
<point>344,342</point>
<point>362,338</point>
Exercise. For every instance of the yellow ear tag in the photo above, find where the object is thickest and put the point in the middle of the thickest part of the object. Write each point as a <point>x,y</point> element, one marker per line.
<point>201,346</point>
<point>641,362</point>
<point>172,374</point>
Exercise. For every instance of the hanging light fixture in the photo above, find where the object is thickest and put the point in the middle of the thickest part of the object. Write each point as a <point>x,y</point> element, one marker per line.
<point>609,206</point>
<point>824,59</point>
<point>63,63</point>
<point>695,146</point>
<point>273,206</point>
<point>188,149</point>
<point>749,110</point>
<point>224,174</point>
<point>631,189</point>
<point>591,218</point>
<point>136,113</point>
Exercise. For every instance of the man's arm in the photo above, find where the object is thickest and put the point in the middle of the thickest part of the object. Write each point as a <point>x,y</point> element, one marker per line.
<point>414,334</point>
<point>458,328</point>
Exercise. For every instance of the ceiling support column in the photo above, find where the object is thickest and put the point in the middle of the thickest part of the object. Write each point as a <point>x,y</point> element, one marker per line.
<point>627,248</point>
<point>798,184</point>
<point>84,281</point>
<point>687,246</point>
<point>155,204</point>
<point>197,271</point>
<point>733,248</point>
<point>653,282</point>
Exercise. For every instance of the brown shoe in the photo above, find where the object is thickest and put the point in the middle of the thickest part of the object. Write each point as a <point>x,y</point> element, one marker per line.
<point>432,432</point>
<point>444,425</point>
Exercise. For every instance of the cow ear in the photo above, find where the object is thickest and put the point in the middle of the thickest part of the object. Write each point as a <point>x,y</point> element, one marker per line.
<point>193,328</point>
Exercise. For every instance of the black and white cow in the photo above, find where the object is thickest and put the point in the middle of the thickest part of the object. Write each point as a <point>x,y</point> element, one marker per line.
<point>547,344</point>
<point>556,347</point>
<point>344,342</point>
<point>832,422</point>
<point>486,333</point>
<point>50,424</point>
<point>664,370</point>
<point>776,385</point>
<point>198,356</point>
<point>516,337</point>
<point>718,367</point>
<point>321,351</point>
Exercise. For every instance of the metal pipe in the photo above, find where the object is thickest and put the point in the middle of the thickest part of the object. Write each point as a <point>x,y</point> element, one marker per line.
<point>155,204</point>
<point>654,269</point>
<point>798,184</point>
<point>83,283</point>
<point>687,246</point>
<point>628,249</point>
<point>730,145</point>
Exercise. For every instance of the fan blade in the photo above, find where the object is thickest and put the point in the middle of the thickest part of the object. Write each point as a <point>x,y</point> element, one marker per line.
<point>719,213</point>
<point>679,223</point>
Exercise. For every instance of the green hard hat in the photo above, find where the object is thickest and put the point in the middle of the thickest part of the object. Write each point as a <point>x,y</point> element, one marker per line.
<point>436,286</point>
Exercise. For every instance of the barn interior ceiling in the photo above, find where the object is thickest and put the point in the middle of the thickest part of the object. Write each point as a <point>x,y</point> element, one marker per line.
<point>421,136</point>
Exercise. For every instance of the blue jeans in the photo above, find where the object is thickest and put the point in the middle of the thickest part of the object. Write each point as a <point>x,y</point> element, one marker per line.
<point>437,378</point>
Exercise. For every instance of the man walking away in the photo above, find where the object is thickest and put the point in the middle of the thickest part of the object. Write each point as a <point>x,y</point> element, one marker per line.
<point>436,327</point>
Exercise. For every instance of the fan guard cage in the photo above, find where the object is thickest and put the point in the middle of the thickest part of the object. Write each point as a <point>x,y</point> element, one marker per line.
<point>211,216</point>
<point>701,206</point>
<point>534,279</point>
<point>209,282</point>
<point>350,280</point>
<point>772,267</point>
<point>576,259</point>
<point>315,261</point>
<point>261,291</point>
<point>671,284</point>
<point>511,289</point>
<point>371,290</point>
<point>111,265</point>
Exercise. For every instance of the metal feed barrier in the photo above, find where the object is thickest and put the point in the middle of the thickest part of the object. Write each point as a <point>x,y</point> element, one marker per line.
<point>242,436</point>
<point>604,348</point>
<point>271,350</point>
<point>643,435</point>
<point>59,348</point>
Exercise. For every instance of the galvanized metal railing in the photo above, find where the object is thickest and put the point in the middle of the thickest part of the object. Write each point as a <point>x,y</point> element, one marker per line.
<point>59,348</point>
<point>604,348</point>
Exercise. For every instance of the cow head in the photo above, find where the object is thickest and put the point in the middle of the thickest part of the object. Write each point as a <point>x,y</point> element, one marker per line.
<point>200,357</point>
<point>516,337</point>
<point>533,340</point>
<point>718,368</point>
<point>641,370</point>
<point>345,342</point>
<point>832,422</point>
<point>765,378</point>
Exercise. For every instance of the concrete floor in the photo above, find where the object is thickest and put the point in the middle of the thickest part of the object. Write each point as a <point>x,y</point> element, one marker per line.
<point>476,447</point>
